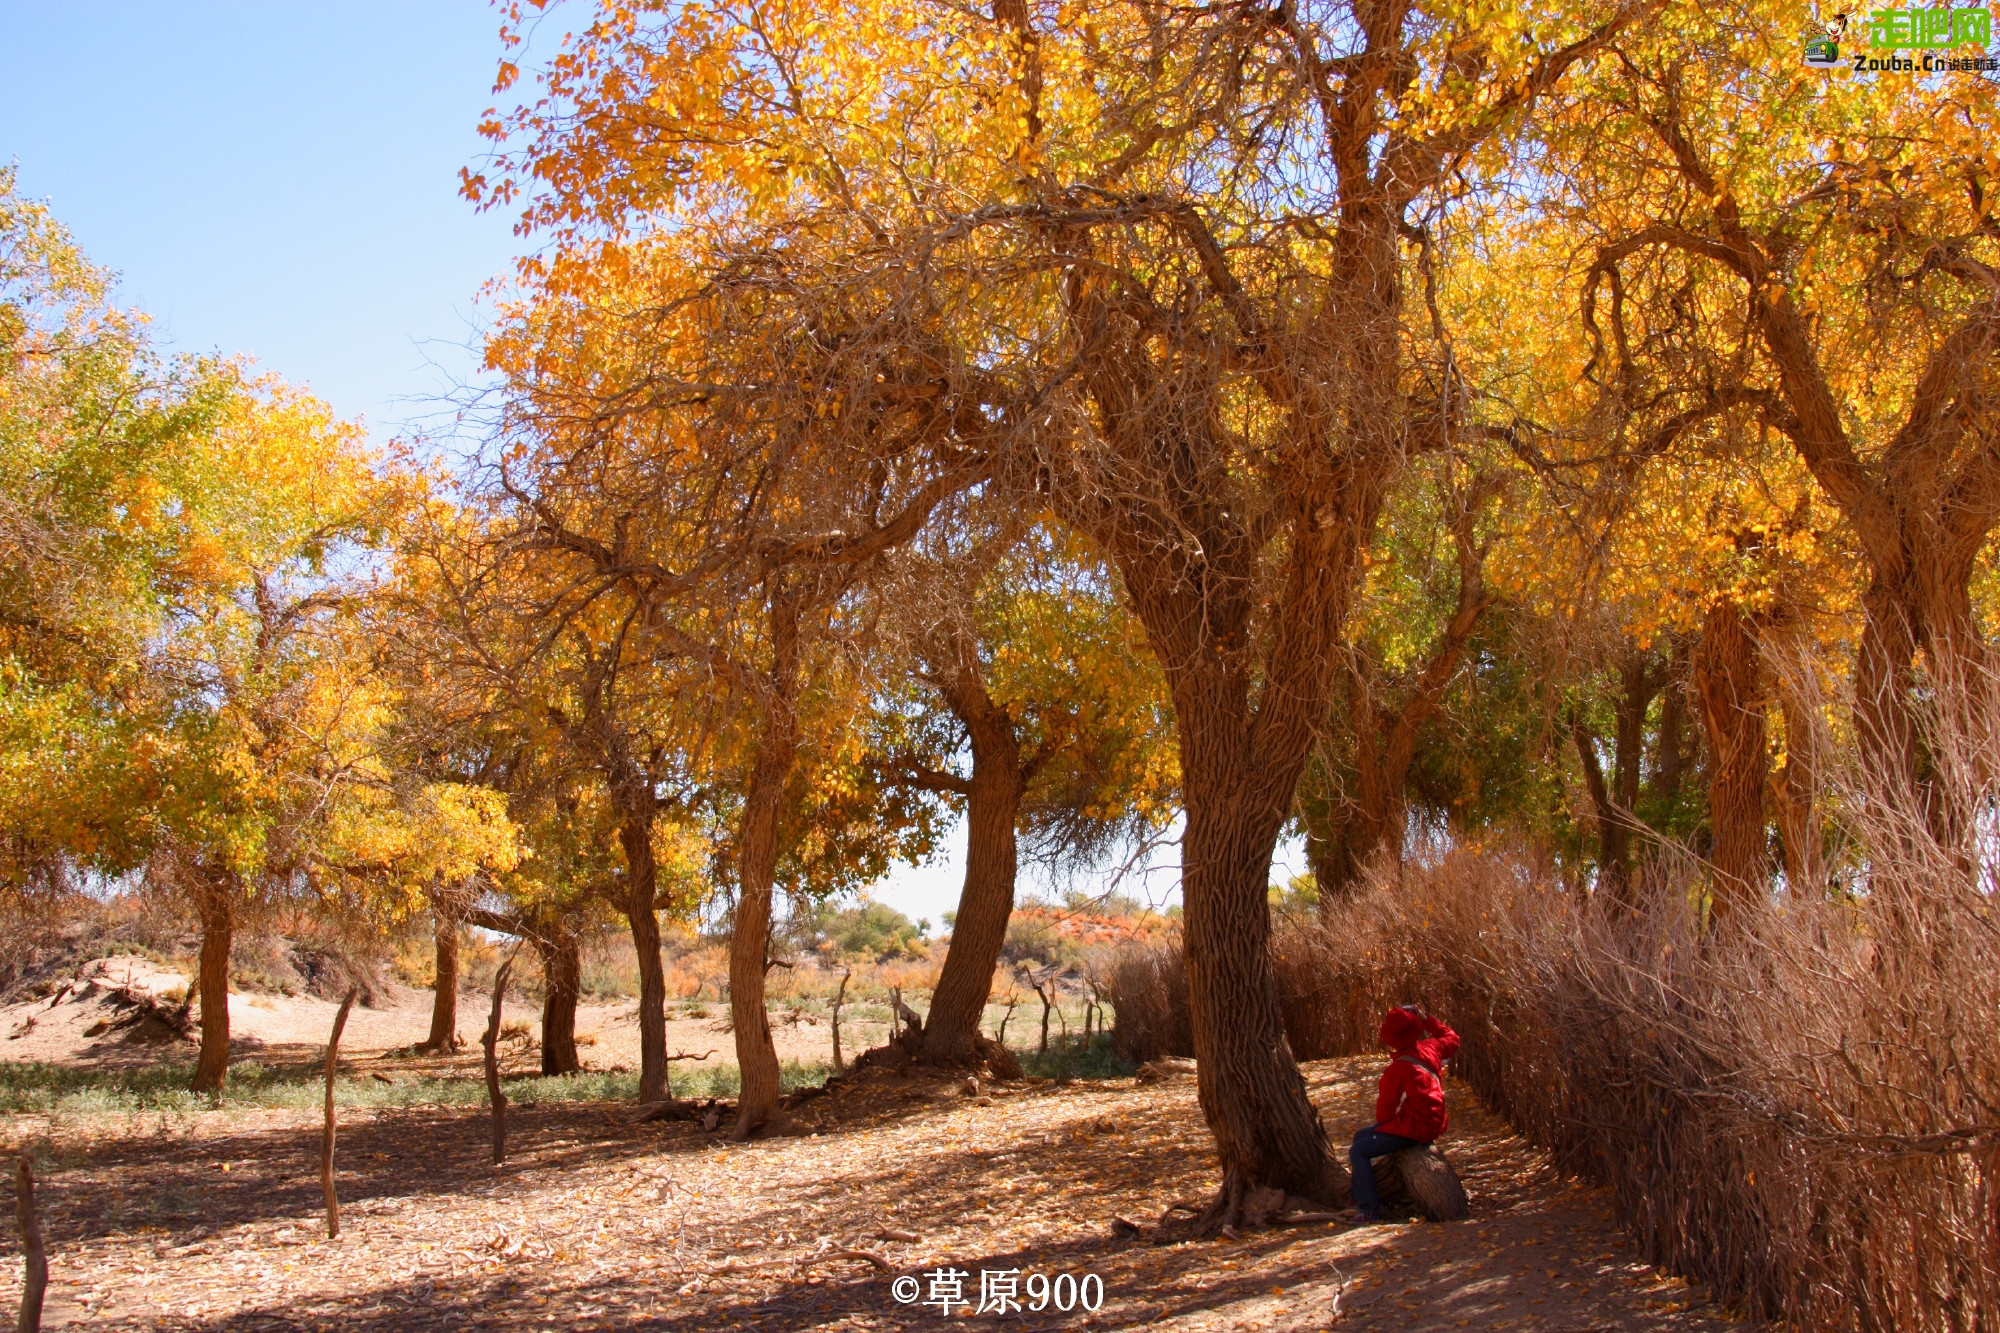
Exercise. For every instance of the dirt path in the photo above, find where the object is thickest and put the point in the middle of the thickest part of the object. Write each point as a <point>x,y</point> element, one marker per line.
<point>213,1223</point>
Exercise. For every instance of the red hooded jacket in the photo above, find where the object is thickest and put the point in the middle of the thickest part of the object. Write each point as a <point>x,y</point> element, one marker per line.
<point>1411,1102</point>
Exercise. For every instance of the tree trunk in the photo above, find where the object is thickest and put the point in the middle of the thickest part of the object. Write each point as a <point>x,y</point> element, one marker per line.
<point>491,1044</point>
<point>1614,798</point>
<point>34,1252</point>
<point>979,931</point>
<point>1670,758</point>
<point>562,981</point>
<point>1884,729</point>
<point>1639,683</point>
<point>1795,787</point>
<point>1267,1132</point>
<point>1614,834</point>
<point>757,868</point>
<point>635,835</point>
<point>327,1131</point>
<point>217,907</point>
<point>1365,824</point>
<point>1729,684</point>
<point>444,989</point>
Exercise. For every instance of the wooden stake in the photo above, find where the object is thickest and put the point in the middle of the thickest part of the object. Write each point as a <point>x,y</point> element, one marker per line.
<point>491,1041</point>
<point>326,1138</point>
<point>36,1278</point>
<point>839,1065</point>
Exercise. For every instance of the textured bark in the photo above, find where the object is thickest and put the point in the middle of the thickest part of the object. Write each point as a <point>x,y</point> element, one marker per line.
<point>1729,684</point>
<point>1252,1095</point>
<point>992,859</point>
<point>757,866</point>
<point>562,979</point>
<point>217,907</point>
<point>444,988</point>
<point>1424,1179</point>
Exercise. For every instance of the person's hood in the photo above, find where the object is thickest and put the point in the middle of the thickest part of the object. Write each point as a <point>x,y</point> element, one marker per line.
<point>1402,1029</point>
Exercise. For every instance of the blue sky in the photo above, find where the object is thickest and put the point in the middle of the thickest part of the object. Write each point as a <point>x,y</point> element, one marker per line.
<point>278,179</point>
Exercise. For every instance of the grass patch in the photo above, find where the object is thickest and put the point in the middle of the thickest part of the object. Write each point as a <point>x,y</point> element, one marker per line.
<point>1073,1059</point>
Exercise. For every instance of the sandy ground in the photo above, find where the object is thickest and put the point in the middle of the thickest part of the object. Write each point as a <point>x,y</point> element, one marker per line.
<point>77,1025</point>
<point>212,1221</point>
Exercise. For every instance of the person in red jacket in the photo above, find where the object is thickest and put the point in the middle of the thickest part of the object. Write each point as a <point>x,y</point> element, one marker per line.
<point>1409,1109</point>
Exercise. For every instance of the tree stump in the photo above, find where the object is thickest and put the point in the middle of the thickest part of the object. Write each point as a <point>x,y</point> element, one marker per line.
<point>1422,1179</point>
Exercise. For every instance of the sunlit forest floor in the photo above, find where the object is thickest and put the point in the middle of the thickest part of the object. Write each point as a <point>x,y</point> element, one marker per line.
<point>213,1220</point>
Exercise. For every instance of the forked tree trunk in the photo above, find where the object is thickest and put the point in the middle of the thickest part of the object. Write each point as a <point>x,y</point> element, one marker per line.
<point>992,860</point>
<point>217,907</point>
<point>757,868</point>
<point>444,989</point>
<point>1728,682</point>
<point>1385,743</point>
<point>562,981</point>
<point>1614,798</point>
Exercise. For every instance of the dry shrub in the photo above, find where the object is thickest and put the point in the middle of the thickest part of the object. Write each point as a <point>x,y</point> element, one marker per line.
<point>1146,987</point>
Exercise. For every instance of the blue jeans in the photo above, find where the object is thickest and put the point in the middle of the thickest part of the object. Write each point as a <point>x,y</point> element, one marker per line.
<point>1370,1143</point>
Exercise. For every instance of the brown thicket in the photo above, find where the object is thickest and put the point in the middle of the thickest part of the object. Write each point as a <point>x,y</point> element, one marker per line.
<point>1797,1107</point>
<point>1793,1100</point>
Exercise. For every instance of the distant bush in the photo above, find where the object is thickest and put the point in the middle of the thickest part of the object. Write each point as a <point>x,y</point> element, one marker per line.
<point>864,931</point>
